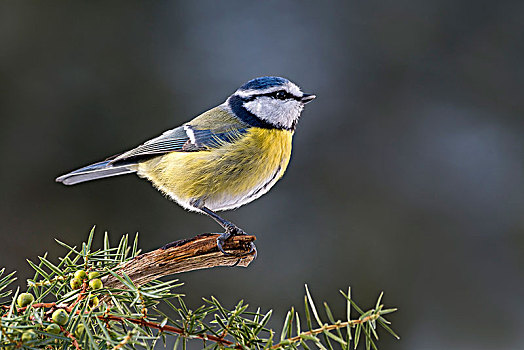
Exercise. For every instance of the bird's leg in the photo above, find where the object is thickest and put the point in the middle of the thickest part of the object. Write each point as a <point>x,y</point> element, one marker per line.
<point>230,230</point>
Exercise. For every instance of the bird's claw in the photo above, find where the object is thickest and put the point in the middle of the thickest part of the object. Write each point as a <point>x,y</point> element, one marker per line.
<point>221,240</point>
<point>234,231</point>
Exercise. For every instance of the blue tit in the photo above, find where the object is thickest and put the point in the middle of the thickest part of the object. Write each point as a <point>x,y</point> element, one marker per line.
<point>222,159</point>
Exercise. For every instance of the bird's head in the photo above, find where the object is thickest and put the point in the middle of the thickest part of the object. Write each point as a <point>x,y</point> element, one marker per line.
<point>274,101</point>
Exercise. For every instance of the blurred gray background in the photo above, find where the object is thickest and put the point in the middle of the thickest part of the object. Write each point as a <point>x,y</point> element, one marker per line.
<point>407,171</point>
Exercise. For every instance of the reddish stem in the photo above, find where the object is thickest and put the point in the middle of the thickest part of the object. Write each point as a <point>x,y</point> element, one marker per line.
<point>166,328</point>
<point>73,339</point>
<point>81,296</point>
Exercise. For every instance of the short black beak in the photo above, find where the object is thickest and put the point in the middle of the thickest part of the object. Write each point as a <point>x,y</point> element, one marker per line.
<point>306,98</point>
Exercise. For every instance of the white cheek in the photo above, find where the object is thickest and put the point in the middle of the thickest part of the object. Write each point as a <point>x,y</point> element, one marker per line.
<point>258,108</point>
<point>276,112</point>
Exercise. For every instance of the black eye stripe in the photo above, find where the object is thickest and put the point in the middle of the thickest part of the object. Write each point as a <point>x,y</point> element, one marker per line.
<point>279,94</point>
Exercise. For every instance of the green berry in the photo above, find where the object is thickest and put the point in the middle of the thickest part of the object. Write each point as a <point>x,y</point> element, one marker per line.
<point>53,328</point>
<point>93,302</point>
<point>25,299</point>
<point>80,329</point>
<point>93,275</point>
<point>95,283</point>
<point>81,275</point>
<point>28,336</point>
<point>76,283</point>
<point>60,317</point>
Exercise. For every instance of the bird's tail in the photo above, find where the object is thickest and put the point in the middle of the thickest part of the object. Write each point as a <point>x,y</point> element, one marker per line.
<point>96,171</point>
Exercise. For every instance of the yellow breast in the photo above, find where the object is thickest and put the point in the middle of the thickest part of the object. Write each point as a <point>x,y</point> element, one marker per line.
<point>226,177</point>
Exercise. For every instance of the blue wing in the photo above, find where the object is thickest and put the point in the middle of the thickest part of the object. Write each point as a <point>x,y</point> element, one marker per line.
<point>182,139</point>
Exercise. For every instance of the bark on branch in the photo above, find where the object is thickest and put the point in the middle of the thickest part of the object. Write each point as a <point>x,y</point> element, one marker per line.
<point>199,252</point>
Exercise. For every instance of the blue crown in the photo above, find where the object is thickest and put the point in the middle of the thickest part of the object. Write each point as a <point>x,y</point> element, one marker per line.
<point>263,83</point>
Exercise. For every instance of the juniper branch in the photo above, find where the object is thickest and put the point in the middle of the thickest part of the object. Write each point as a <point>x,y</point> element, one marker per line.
<point>128,316</point>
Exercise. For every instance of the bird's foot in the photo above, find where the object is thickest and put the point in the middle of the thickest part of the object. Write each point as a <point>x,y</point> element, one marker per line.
<point>233,230</point>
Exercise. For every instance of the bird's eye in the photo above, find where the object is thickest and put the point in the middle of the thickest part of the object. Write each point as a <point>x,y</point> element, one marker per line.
<point>281,95</point>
